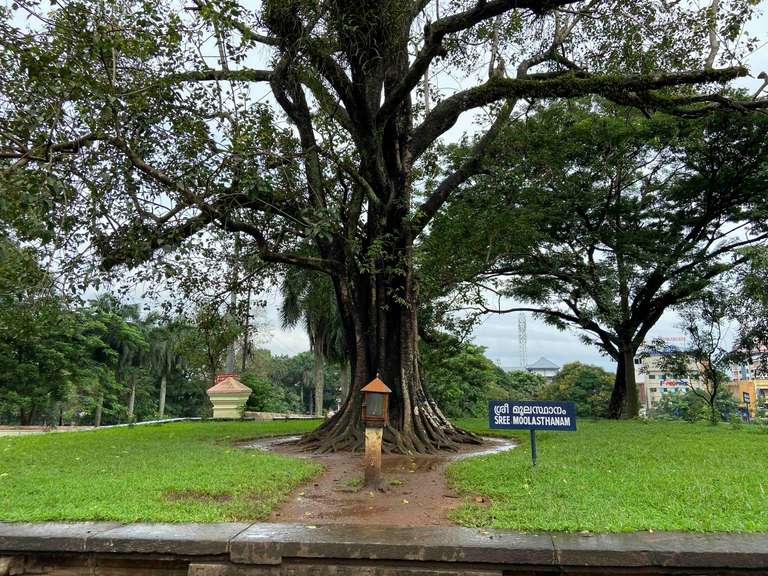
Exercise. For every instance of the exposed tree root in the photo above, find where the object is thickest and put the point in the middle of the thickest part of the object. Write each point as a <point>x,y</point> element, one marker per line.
<point>430,432</point>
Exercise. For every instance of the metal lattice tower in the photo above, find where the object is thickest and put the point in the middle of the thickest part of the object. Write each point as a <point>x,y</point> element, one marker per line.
<point>522,335</point>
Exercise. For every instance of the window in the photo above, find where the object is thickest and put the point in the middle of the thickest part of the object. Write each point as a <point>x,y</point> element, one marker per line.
<point>651,376</point>
<point>653,389</point>
<point>375,404</point>
<point>638,361</point>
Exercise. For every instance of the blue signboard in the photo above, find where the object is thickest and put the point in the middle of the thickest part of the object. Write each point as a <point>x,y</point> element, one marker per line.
<point>531,415</point>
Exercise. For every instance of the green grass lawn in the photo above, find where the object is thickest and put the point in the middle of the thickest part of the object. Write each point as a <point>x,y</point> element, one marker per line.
<point>607,477</point>
<point>621,476</point>
<point>182,472</point>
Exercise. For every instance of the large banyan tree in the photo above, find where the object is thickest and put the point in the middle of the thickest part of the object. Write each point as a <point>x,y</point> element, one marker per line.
<point>312,129</point>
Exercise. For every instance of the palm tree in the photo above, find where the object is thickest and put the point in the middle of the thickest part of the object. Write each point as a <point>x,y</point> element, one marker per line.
<point>164,357</point>
<point>126,334</point>
<point>309,297</point>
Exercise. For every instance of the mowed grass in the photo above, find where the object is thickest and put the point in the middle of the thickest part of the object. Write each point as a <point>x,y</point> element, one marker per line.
<point>621,476</point>
<point>180,472</point>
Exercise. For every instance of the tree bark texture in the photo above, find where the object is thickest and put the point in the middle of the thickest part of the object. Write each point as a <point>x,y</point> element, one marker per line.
<point>318,377</point>
<point>345,377</point>
<point>625,401</point>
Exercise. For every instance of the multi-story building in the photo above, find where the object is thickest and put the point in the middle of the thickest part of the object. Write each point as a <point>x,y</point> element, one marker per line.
<point>653,382</point>
<point>753,369</point>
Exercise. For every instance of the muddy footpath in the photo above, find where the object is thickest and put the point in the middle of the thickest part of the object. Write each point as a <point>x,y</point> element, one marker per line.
<point>415,488</point>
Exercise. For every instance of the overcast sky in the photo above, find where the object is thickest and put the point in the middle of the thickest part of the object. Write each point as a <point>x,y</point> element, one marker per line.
<point>499,333</point>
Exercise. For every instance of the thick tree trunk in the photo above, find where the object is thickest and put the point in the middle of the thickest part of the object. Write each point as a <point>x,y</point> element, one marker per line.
<point>625,402</point>
<point>344,379</point>
<point>318,378</point>
<point>379,314</point>
<point>163,382</point>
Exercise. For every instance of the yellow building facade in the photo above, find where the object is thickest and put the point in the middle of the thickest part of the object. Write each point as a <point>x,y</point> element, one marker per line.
<point>756,391</point>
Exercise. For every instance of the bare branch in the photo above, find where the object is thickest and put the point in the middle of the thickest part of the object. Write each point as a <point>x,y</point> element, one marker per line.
<point>43,153</point>
<point>764,77</point>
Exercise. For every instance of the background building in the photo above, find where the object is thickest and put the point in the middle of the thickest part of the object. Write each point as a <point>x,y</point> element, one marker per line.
<point>544,367</point>
<point>754,369</point>
<point>757,391</point>
<point>653,381</point>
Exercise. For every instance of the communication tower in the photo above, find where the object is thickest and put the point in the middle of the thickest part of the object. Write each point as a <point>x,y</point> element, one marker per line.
<point>522,335</point>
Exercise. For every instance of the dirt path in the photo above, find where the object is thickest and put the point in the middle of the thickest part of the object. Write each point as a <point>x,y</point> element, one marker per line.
<point>417,494</point>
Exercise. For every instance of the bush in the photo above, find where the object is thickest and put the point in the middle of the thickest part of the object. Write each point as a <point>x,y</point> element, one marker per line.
<point>523,385</point>
<point>691,407</point>
<point>266,396</point>
<point>460,378</point>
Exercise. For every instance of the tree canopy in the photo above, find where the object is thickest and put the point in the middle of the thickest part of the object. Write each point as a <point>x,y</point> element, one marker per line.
<point>602,219</point>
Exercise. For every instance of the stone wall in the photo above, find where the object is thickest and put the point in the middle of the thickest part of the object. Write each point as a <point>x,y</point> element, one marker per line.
<point>103,548</point>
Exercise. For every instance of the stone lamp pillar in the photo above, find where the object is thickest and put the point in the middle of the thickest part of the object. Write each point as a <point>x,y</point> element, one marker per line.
<point>228,398</point>
<point>375,414</point>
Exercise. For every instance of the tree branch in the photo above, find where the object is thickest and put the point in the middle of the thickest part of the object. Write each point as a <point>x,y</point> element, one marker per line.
<point>570,84</point>
<point>241,75</point>
<point>433,39</point>
<point>43,153</point>
<point>470,167</point>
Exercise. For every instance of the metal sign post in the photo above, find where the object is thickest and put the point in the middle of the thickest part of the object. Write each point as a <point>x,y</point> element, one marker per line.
<point>532,415</point>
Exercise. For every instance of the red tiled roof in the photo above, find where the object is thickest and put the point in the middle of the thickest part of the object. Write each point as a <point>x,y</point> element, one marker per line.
<point>228,386</point>
<point>376,385</point>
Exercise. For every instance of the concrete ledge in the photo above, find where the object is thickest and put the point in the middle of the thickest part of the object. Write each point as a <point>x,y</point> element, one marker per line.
<point>239,548</point>
<point>270,543</point>
<point>663,549</point>
<point>169,539</point>
<point>49,536</point>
